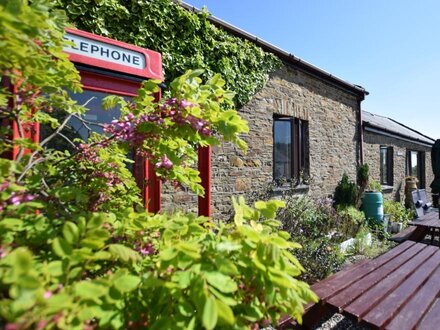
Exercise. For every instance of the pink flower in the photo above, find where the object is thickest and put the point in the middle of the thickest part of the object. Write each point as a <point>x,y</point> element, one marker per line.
<point>147,249</point>
<point>165,162</point>
<point>185,104</point>
<point>41,325</point>
<point>47,294</point>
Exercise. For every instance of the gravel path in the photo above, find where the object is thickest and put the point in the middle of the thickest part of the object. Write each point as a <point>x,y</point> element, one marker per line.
<point>337,321</point>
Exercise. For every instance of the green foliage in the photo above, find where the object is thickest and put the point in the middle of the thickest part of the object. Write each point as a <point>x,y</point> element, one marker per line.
<point>398,212</point>
<point>185,39</point>
<point>346,192</point>
<point>351,220</point>
<point>186,271</point>
<point>363,175</point>
<point>77,248</point>
<point>374,185</point>
<point>369,243</point>
<point>320,258</point>
<point>314,225</point>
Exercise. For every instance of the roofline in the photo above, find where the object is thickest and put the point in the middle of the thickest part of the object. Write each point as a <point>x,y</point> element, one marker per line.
<point>407,127</point>
<point>379,130</point>
<point>298,62</point>
<point>411,129</point>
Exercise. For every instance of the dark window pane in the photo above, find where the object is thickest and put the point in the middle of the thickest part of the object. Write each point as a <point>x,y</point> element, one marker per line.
<point>282,148</point>
<point>303,145</point>
<point>76,128</point>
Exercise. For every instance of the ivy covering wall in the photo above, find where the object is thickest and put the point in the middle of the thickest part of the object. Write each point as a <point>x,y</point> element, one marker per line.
<point>186,40</point>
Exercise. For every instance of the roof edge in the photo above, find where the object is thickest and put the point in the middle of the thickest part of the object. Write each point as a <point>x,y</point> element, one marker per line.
<point>379,130</point>
<point>407,127</point>
<point>301,64</point>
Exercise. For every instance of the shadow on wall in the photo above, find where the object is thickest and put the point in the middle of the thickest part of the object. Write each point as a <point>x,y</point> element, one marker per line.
<point>398,192</point>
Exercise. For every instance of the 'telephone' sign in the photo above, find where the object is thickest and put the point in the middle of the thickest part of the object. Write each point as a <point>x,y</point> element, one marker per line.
<point>103,51</point>
<point>94,50</point>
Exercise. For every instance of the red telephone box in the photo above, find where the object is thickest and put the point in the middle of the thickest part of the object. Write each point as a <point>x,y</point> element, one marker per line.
<point>111,67</point>
<point>107,67</point>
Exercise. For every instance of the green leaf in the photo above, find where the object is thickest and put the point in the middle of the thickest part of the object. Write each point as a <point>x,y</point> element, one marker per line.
<point>70,232</point>
<point>228,246</point>
<point>55,268</point>
<point>210,314</point>
<point>126,283</point>
<point>89,289</point>
<point>10,223</point>
<point>269,208</point>
<point>168,254</point>
<point>221,282</point>
<point>122,252</point>
<point>225,314</point>
<point>61,247</point>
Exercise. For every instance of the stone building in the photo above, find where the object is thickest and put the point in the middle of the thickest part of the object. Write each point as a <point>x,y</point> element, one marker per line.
<point>305,132</point>
<point>394,151</point>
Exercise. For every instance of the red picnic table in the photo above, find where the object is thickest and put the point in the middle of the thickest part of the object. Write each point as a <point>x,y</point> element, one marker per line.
<point>397,290</point>
<point>427,224</point>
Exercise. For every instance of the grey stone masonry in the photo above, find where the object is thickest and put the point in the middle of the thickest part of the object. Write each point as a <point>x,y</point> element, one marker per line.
<point>372,144</point>
<point>332,114</point>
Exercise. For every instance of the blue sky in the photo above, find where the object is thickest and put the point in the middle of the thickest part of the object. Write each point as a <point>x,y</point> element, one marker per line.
<point>390,47</point>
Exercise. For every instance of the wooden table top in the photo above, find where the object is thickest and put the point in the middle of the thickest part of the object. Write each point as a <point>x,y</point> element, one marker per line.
<point>430,219</point>
<point>397,290</point>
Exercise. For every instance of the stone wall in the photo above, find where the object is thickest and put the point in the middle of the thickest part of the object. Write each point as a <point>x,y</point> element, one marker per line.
<point>332,114</point>
<point>372,144</point>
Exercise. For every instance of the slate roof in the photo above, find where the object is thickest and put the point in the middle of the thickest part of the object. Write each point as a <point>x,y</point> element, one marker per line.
<point>387,126</point>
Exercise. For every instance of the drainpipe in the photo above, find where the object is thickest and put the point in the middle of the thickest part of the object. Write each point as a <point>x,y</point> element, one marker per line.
<point>361,133</point>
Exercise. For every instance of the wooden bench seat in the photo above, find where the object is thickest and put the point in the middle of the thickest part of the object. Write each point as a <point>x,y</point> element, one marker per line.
<point>398,290</point>
<point>403,235</point>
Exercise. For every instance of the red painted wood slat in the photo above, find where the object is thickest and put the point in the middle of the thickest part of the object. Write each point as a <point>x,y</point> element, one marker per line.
<point>388,308</point>
<point>356,289</point>
<point>388,283</point>
<point>410,314</point>
<point>338,282</point>
<point>432,319</point>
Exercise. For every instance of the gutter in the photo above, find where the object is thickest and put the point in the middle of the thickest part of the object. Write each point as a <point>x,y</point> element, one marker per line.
<point>381,131</point>
<point>299,63</point>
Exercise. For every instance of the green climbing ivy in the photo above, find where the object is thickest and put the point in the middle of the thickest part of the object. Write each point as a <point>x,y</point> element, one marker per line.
<point>186,40</point>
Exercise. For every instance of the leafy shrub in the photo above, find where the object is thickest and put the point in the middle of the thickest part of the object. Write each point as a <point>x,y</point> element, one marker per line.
<point>398,212</point>
<point>346,192</point>
<point>363,175</point>
<point>303,216</point>
<point>77,249</point>
<point>167,272</point>
<point>313,225</point>
<point>374,185</point>
<point>320,257</point>
<point>351,220</point>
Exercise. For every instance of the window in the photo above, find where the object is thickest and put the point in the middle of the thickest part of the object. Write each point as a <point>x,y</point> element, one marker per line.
<point>75,128</point>
<point>386,166</point>
<point>290,154</point>
<point>415,166</point>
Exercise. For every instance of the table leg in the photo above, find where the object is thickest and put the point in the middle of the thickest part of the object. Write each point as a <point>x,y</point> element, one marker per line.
<point>418,234</point>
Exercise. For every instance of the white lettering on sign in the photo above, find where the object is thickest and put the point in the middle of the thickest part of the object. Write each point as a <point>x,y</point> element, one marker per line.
<point>105,52</point>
